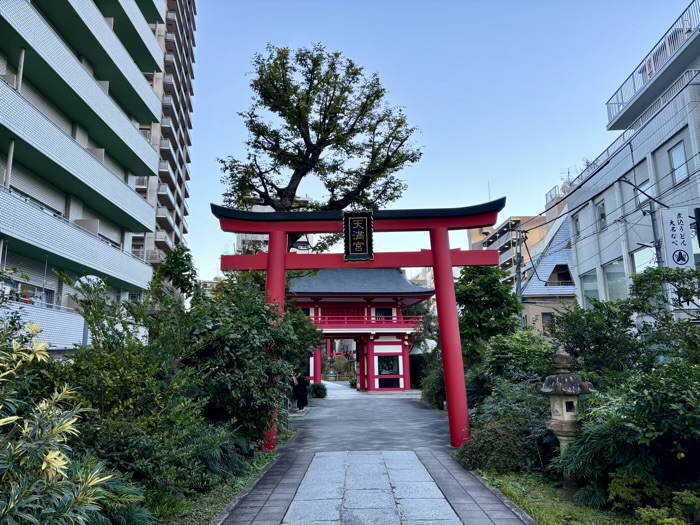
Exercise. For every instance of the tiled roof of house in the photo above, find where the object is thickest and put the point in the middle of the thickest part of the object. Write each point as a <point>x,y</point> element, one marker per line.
<point>358,281</point>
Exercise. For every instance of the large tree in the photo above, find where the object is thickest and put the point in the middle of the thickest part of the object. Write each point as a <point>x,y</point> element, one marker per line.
<point>316,114</point>
<point>487,307</point>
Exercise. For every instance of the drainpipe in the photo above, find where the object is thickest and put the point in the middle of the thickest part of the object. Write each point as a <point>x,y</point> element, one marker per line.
<point>20,69</point>
<point>10,160</point>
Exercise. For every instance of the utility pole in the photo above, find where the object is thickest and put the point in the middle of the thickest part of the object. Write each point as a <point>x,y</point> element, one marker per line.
<point>655,232</point>
<point>518,271</point>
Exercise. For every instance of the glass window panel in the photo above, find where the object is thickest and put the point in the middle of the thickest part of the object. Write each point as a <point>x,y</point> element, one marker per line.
<point>601,217</point>
<point>577,226</point>
<point>643,259</point>
<point>388,365</point>
<point>589,286</point>
<point>678,163</point>
<point>615,281</point>
<point>646,188</point>
<point>384,312</point>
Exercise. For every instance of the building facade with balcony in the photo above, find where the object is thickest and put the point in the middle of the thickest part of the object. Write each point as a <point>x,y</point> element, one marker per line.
<point>503,238</point>
<point>365,306</point>
<point>652,164</point>
<point>77,104</point>
<point>174,26</point>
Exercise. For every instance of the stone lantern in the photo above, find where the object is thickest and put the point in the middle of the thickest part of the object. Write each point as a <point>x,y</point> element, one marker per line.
<point>564,390</point>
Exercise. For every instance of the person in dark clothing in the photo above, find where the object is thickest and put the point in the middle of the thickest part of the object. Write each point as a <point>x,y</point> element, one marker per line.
<point>301,392</point>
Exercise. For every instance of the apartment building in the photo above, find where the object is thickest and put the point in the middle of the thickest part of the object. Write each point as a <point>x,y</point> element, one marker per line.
<point>653,164</point>
<point>80,108</point>
<point>503,238</point>
<point>173,84</point>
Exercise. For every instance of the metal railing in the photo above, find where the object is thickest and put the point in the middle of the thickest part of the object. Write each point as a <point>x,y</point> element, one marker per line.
<point>362,320</point>
<point>149,256</point>
<point>689,76</point>
<point>58,217</point>
<point>679,33</point>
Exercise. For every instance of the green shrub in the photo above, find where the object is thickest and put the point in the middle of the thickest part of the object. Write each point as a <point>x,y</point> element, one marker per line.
<point>433,386</point>
<point>497,446</point>
<point>352,381</point>
<point>518,356</point>
<point>41,481</point>
<point>318,390</point>
<point>684,510</point>
<point>527,412</point>
<point>419,367</point>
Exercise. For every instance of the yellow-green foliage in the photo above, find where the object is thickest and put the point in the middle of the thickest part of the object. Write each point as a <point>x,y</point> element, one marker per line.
<point>37,483</point>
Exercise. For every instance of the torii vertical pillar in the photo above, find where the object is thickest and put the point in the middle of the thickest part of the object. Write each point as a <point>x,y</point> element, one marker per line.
<point>318,367</point>
<point>275,288</point>
<point>445,297</point>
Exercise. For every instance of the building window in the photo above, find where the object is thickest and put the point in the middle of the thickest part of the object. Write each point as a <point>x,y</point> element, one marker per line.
<point>615,280</point>
<point>679,164</point>
<point>383,312</point>
<point>645,188</point>
<point>589,287</point>
<point>388,365</point>
<point>643,259</point>
<point>600,215</point>
<point>306,311</point>
<point>577,225</point>
<point>547,318</point>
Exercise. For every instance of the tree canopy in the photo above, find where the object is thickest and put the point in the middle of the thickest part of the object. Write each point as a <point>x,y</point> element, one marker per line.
<point>487,306</point>
<point>315,113</point>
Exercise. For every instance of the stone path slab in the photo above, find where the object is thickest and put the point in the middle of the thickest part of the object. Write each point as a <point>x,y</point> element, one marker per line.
<point>352,464</point>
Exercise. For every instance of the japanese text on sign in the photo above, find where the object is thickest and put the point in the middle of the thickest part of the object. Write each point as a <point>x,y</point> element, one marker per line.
<point>678,249</point>
<point>358,236</point>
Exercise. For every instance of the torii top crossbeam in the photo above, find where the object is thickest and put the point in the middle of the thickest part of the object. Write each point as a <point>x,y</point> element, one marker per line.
<point>437,222</point>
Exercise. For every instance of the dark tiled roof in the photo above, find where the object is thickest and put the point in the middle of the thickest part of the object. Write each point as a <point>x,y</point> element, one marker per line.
<point>351,281</point>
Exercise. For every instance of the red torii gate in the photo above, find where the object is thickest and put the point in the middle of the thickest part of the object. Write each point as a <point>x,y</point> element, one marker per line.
<point>438,222</point>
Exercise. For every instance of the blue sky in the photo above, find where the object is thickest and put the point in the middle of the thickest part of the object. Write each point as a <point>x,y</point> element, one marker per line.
<point>506,93</point>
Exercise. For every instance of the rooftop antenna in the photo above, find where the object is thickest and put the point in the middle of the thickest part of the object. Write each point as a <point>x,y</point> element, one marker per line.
<point>488,186</point>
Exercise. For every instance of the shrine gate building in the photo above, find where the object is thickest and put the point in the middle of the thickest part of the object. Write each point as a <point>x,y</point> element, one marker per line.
<point>367,306</point>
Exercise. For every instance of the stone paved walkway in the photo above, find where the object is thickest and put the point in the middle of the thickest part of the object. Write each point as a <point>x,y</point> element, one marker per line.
<point>370,459</point>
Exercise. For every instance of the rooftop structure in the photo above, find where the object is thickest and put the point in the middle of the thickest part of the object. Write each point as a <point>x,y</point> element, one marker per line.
<point>655,155</point>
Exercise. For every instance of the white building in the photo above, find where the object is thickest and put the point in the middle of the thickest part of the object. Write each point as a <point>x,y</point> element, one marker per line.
<point>77,108</point>
<point>657,108</point>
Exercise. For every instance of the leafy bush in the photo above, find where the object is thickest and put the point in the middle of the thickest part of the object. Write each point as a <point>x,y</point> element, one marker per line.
<point>601,339</point>
<point>241,349</point>
<point>352,381</point>
<point>518,356</point>
<point>684,510</point>
<point>433,385</point>
<point>419,367</point>
<point>318,390</point>
<point>341,365</point>
<point>40,479</point>
<point>496,446</point>
<point>517,414</point>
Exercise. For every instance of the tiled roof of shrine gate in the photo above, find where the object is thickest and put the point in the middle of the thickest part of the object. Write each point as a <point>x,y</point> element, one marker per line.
<point>351,281</point>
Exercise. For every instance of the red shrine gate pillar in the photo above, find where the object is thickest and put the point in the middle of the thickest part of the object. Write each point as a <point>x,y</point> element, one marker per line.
<point>452,360</point>
<point>275,288</point>
<point>318,367</point>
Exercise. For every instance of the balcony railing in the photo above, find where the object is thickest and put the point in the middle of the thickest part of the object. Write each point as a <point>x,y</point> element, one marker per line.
<point>35,225</point>
<point>364,321</point>
<point>689,76</point>
<point>662,52</point>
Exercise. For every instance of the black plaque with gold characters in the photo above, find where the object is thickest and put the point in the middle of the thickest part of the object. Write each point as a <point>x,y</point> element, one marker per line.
<point>357,226</point>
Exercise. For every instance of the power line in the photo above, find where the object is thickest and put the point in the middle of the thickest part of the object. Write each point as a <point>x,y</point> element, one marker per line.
<point>619,150</point>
